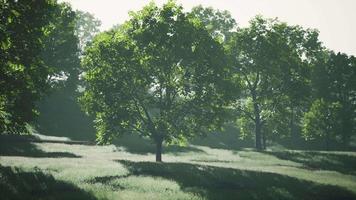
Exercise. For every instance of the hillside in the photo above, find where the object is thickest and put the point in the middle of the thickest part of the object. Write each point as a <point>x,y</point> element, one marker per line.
<point>46,170</point>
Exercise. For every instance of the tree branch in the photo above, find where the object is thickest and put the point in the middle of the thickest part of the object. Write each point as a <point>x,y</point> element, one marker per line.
<point>248,114</point>
<point>247,80</point>
<point>137,129</point>
<point>256,81</point>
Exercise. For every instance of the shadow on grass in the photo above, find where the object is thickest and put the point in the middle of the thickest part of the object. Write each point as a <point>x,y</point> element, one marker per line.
<point>300,143</point>
<point>107,180</point>
<point>29,149</point>
<point>17,184</point>
<point>137,145</point>
<point>313,160</point>
<point>225,183</point>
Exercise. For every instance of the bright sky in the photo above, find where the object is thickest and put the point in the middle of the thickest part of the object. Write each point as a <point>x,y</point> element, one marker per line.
<point>335,19</point>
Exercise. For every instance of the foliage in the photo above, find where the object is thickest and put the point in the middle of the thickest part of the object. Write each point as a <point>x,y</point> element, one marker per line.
<point>60,52</point>
<point>170,75</point>
<point>39,49</point>
<point>160,75</point>
<point>219,24</point>
<point>332,115</point>
<point>60,113</point>
<point>321,120</point>
<point>87,26</point>
<point>272,59</point>
<point>23,74</point>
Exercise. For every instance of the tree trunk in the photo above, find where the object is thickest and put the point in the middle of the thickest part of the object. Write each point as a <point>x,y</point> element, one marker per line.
<point>159,142</point>
<point>258,126</point>
<point>264,140</point>
<point>258,136</point>
<point>293,132</point>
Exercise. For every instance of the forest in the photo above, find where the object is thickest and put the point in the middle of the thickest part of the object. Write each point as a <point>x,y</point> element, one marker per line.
<point>171,104</point>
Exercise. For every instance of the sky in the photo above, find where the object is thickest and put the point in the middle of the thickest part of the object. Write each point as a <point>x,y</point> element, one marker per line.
<point>335,19</point>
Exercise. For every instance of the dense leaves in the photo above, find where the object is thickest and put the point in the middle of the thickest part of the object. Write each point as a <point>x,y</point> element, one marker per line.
<point>219,24</point>
<point>39,50</point>
<point>61,51</point>
<point>273,61</point>
<point>332,116</point>
<point>23,74</point>
<point>160,74</point>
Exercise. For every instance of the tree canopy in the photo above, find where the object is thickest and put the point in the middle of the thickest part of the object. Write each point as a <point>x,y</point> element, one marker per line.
<point>24,25</point>
<point>219,24</point>
<point>39,50</point>
<point>273,60</point>
<point>160,74</point>
<point>332,115</point>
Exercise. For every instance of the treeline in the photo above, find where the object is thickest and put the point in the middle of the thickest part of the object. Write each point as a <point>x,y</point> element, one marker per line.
<point>291,86</point>
<point>41,43</point>
<point>170,75</point>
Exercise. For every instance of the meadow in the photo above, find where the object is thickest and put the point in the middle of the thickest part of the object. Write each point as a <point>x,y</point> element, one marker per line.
<point>127,170</point>
<point>169,73</point>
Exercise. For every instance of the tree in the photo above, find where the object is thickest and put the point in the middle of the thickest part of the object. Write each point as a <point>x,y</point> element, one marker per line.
<point>160,75</point>
<point>60,113</point>
<point>334,100</point>
<point>61,51</point>
<point>341,69</point>
<point>23,74</point>
<point>272,60</point>
<point>87,26</point>
<point>322,120</point>
<point>64,43</point>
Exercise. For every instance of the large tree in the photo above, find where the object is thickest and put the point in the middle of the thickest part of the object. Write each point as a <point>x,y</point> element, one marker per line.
<point>24,26</point>
<point>160,75</point>
<point>272,59</point>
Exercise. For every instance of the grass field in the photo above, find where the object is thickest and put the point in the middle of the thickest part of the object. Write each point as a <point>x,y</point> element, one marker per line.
<point>31,170</point>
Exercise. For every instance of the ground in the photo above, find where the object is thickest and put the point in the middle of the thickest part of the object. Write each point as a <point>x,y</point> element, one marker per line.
<point>32,170</point>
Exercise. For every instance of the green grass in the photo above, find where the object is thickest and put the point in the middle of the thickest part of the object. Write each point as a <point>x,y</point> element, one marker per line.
<point>128,171</point>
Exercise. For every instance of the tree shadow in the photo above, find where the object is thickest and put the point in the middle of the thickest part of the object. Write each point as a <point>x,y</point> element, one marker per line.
<point>17,184</point>
<point>299,143</point>
<point>138,145</point>
<point>29,149</point>
<point>313,160</point>
<point>107,180</point>
<point>226,183</point>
